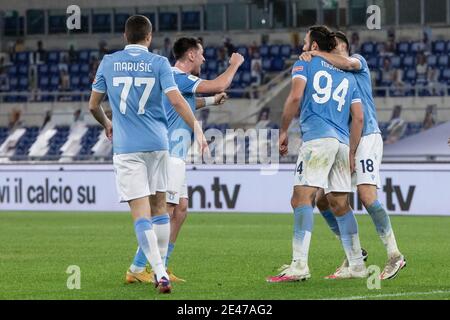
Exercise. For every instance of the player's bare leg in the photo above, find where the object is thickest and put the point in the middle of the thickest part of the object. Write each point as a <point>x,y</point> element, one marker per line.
<point>396,261</point>
<point>302,203</point>
<point>141,212</point>
<point>178,214</point>
<point>348,229</point>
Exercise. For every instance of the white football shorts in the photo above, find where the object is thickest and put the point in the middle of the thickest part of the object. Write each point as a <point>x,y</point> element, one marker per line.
<point>140,174</point>
<point>368,160</point>
<point>176,185</point>
<point>324,163</point>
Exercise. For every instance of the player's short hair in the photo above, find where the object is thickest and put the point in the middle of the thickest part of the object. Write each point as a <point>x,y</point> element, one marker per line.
<point>340,35</point>
<point>137,28</point>
<point>324,37</point>
<point>183,45</point>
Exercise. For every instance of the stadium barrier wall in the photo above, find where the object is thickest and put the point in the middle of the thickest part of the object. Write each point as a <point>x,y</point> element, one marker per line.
<point>408,189</point>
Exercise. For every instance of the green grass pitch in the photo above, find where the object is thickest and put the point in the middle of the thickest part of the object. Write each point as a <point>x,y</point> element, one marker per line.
<point>222,256</point>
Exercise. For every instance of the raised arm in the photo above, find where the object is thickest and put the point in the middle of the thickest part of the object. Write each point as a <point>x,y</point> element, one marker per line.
<point>291,107</point>
<point>223,81</point>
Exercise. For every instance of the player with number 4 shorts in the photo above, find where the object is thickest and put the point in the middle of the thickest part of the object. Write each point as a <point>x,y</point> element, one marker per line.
<point>327,97</point>
<point>367,159</point>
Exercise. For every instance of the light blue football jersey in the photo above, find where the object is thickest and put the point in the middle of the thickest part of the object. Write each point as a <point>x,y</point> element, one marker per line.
<point>135,81</point>
<point>325,107</point>
<point>179,132</point>
<point>364,83</point>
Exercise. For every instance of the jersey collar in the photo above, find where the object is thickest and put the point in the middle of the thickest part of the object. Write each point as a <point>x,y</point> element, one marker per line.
<point>136,46</point>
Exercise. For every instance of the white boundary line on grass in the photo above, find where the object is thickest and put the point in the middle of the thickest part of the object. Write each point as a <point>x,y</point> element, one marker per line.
<point>387,295</point>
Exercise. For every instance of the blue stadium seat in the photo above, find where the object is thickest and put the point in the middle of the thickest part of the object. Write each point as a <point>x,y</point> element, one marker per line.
<point>416,47</point>
<point>246,78</point>
<point>246,66</point>
<point>75,82</point>
<point>210,53</point>
<point>22,57</point>
<point>403,47</point>
<point>23,69</point>
<point>264,51</point>
<point>410,75</point>
<point>445,75</point>
<point>84,68</point>
<point>275,51</point>
<point>53,57</point>
<point>54,83</point>
<point>285,51</point>
<point>409,61</point>
<point>44,83</point>
<point>53,69</point>
<point>443,61</point>
<point>74,68</point>
<point>432,60</point>
<point>23,84</point>
<point>13,83</point>
<point>85,83</point>
<point>43,70</point>
<point>396,61</point>
<point>372,62</point>
<point>439,46</point>
<point>266,64</point>
<point>368,48</point>
<point>277,64</point>
<point>84,55</point>
<point>212,66</point>
<point>12,70</point>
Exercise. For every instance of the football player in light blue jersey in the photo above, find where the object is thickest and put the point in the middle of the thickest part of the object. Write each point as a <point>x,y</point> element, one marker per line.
<point>327,97</point>
<point>135,81</point>
<point>188,53</point>
<point>368,157</point>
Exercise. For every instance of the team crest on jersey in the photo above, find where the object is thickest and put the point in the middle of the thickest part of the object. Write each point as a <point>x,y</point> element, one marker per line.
<point>298,68</point>
<point>192,77</point>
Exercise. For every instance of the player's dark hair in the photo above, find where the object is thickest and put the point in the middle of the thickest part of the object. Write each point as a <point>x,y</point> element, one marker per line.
<point>137,28</point>
<point>183,45</point>
<point>324,37</point>
<point>340,35</point>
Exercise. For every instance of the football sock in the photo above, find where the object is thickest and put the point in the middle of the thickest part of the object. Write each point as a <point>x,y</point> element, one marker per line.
<point>148,242</point>
<point>169,252</point>
<point>348,228</point>
<point>331,221</point>
<point>383,225</point>
<point>303,224</point>
<point>161,225</point>
<point>139,261</point>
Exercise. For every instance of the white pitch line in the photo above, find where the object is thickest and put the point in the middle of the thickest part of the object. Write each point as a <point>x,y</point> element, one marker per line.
<point>387,295</point>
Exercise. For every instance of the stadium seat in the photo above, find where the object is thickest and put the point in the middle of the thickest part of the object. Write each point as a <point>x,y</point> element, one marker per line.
<point>277,64</point>
<point>246,66</point>
<point>44,82</point>
<point>410,75</point>
<point>13,83</point>
<point>432,60</point>
<point>23,70</point>
<point>84,55</point>
<point>416,47</point>
<point>75,82</point>
<point>43,70</point>
<point>54,83</point>
<point>368,48</point>
<point>74,69</point>
<point>84,68</point>
<point>246,78</point>
<point>266,64</point>
<point>12,71</point>
<point>403,47</point>
<point>85,83</point>
<point>23,84</point>
<point>285,51</point>
<point>438,46</point>
<point>274,51</point>
<point>210,53</point>
<point>396,61</point>
<point>53,57</point>
<point>212,66</point>
<point>53,69</point>
<point>409,61</point>
<point>22,57</point>
<point>445,75</point>
<point>264,51</point>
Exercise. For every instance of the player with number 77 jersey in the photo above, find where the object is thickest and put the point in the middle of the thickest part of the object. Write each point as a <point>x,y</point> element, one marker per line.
<point>327,98</point>
<point>135,80</point>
